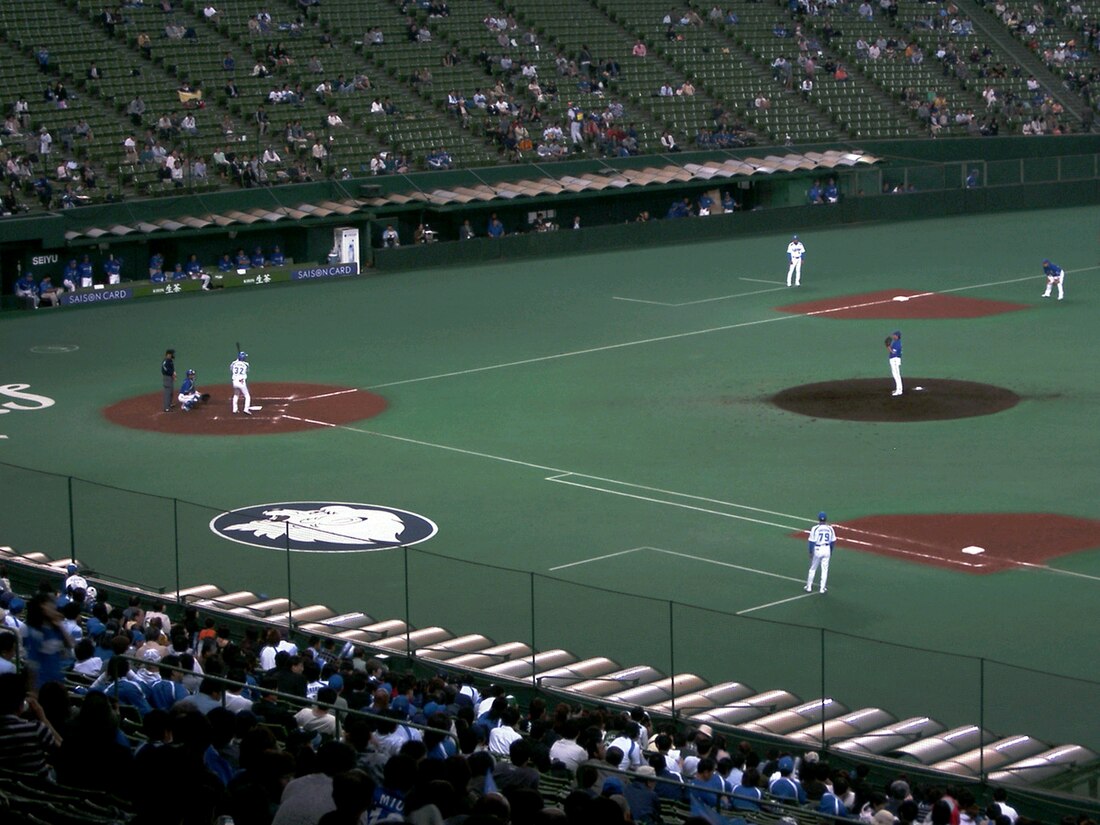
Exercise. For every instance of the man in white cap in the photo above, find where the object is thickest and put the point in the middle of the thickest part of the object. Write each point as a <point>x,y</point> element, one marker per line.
<point>821,542</point>
<point>795,251</point>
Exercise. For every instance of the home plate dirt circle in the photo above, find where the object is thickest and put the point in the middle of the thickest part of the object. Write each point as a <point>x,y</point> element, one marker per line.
<point>282,408</point>
<point>869,399</point>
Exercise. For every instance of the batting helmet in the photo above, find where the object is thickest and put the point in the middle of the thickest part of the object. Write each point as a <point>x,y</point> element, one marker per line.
<point>241,356</point>
<point>190,372</point>
<point>821,516</point>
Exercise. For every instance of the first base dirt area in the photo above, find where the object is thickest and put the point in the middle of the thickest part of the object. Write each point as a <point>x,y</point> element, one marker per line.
<point>971,542</point>
<point>277,408</point>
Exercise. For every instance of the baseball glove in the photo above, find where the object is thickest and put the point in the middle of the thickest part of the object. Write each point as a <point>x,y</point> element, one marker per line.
<point>889,340</point>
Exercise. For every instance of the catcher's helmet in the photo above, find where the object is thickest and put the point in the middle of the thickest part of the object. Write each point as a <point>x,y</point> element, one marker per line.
<point>190,372</point>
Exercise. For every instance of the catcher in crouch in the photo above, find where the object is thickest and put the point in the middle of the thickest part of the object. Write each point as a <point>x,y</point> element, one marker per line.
<point>189,394</point>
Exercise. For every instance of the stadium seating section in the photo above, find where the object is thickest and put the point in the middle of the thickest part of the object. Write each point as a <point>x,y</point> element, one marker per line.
<point>536,63</point>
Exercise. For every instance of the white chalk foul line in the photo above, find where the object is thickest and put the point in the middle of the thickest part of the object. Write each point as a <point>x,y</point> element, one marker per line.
<point>775,603</point>
<point>598,558</point>
<point>725,564</point>
<point>326,395</point>
<point>762,281</point>
<point>678,554</point>
<point>561,479</point>
<point>321,423</point>
<point>701,300</point>
<point>841,539</point>
<point>689,334</point>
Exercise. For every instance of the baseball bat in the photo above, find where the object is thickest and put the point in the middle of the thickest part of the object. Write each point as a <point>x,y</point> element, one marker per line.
<point>239,350</point>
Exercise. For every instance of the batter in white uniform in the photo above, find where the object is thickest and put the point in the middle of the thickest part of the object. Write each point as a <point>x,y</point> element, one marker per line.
<point>238,374</point>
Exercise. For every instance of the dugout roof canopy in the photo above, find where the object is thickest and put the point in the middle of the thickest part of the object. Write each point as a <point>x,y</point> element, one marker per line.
<point>416,196</point>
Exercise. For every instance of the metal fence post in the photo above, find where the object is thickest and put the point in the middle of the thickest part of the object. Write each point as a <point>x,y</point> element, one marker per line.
<point>408,626</point>
<point>289,595</point>
<point>72,523</point>
<point>534,680</point>
<point>981,718</point>
<point>672,657</point>
<point>176,542</point>
<point>824,744</point>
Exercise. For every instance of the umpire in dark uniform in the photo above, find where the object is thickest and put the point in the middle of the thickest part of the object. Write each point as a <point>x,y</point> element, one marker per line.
<point>168,377</point>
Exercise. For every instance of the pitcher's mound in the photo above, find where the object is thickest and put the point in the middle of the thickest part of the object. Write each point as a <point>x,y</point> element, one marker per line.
<point>870,399</point>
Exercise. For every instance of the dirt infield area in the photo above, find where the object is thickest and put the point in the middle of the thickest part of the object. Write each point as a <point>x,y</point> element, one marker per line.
<point>277,408</point>
<point>976,543</point>
<point>901,305</point>
<point>869,399</point>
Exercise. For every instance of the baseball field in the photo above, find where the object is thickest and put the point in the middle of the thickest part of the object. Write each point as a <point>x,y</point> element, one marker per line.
<point>610,451</point>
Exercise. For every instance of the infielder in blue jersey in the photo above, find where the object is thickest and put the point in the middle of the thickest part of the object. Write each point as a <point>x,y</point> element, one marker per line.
<point>822,539</point>
<point>893,353</point>
<point>1055,274</point>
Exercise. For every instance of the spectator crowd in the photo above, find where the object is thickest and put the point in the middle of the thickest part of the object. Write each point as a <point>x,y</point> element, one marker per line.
<point>205,722</point>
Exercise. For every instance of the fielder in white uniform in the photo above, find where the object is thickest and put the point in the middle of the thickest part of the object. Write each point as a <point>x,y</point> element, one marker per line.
<point>822,539</point>
<point>795,251</point>
<point>238,373</point>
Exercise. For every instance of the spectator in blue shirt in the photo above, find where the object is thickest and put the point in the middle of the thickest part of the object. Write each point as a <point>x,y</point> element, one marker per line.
<point>814,194</point>
<point>47,644</point>
<point>242,260</point>
<point>121,689</point>
<point>704,790</point>
<point>156,264</point>
<point>641,796</point>
<point>257,260</point>
<point>226,263</point>
<point>496,228</point>
<point>747,794</point>
<point>158,277</point>
<point>786,786</point>
<point>277,257</point>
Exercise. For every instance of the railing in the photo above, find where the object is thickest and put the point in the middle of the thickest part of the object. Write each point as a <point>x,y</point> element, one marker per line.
<point>166,544</point>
